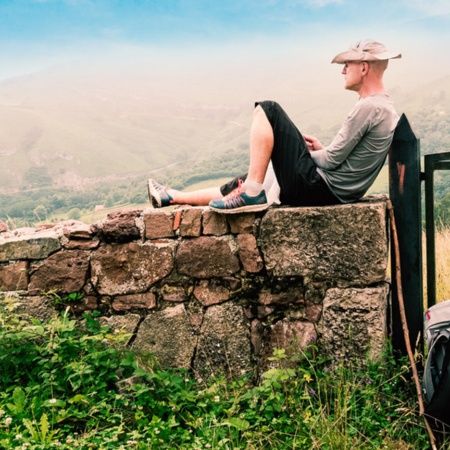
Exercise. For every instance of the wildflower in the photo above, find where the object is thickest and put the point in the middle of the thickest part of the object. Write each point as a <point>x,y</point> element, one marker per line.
<point>216,398</point>
<point>312,391</point>
<point>156,431</point>
<point>307,377</point>
<point>52,401</point>
<point>18,436</point>
<point>8,420</point>
<point>2,412</point>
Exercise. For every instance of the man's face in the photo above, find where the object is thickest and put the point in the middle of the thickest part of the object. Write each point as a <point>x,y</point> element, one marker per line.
<point>353,72</point>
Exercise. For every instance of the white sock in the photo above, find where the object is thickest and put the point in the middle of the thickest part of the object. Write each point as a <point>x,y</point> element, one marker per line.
<point>252,188</point>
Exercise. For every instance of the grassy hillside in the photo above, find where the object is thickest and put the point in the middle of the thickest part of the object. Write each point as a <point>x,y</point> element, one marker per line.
<point>76,140</point>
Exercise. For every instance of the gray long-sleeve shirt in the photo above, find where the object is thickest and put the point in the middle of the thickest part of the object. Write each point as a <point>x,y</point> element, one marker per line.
<point>350,164</point>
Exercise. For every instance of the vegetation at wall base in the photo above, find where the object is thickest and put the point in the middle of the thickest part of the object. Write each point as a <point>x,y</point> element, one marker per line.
<point>73,385</point>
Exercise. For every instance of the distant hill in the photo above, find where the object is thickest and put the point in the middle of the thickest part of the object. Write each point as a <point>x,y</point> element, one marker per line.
<point>63,132</point>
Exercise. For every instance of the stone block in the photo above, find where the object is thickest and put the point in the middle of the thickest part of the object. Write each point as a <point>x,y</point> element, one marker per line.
<point>14,276</point>
<point>291,335</point>
<point>206,257</point>
<point>191,222</point>
<point>214,224</point>
<point>158,224</point>
<point>224,342</point>
<point>249,253</point>
<point>65,271</point>
<point>168,335</point>
<point>211,292</point>
<point>130,268</point>
<point>241,223</point>
<point>134,301</point>
<point>354,322</point>
<point>32,245</point>
<point>119,226</point>
<point>344,242</point>
<point>122,324</point>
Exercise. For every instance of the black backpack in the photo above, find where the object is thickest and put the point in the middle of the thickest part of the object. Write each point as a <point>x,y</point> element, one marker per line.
<point>436,377</point>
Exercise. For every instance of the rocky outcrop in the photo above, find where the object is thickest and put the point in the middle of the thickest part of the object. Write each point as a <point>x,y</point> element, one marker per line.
<point>210,292</point>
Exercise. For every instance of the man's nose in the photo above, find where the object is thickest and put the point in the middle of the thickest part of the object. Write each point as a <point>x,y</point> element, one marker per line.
<point>344,70</point>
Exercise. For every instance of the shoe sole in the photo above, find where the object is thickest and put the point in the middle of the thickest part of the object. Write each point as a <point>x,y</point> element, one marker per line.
<point>241,209</point>
<point>153,195</point>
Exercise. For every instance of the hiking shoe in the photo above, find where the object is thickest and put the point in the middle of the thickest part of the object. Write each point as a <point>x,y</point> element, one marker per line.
<point>238,201</point>
<point>158,194</point>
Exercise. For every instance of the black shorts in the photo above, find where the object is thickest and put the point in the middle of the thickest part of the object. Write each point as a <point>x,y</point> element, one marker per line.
<point>296,172</point>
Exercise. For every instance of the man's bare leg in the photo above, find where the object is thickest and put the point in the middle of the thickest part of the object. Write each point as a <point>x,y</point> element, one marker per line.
<point>261,146</point>
<point>201,197</point>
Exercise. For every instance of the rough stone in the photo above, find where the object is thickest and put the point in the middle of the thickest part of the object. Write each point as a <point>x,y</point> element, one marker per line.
<point>206,257</point>
<point>224,342</point>
<point>126,324</point>
<point>241,223</point>
<point>134,301</point>
<point>88,303</point>
<point>292,336</point>
<point>286,296</point>
<point>82,244</point>
<point>191,222</point>
<point>28,246</point>
<point>130,268</point>
<point>211,292</point>
<point>214,224</point>
<point>14,276</point>
<point>36,307</point>
<point>320,243</point>
<point>79,231</point>
<point>119,226</point>
<point>65,271</point>
<point>354,321</point>
<point>168,335</point>
<point>313,312</point>
<point>158,224</point>
<point>173,293</point>
<point>249,253</point>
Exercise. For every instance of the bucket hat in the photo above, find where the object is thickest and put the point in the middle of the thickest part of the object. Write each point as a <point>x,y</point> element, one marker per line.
<point>367,50</point>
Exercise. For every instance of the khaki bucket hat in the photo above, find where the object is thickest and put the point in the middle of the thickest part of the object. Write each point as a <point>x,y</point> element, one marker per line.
<point>367,50</point>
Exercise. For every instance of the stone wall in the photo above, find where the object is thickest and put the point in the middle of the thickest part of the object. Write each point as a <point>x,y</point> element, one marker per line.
<point>215,292</point>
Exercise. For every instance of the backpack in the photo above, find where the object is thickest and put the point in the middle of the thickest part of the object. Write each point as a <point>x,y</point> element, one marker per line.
<point>436,377</point>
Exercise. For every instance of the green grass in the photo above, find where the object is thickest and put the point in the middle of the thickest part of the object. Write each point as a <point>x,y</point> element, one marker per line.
<point>61,386</point>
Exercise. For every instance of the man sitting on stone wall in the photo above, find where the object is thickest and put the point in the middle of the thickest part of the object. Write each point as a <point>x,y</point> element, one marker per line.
<point>290,168</point>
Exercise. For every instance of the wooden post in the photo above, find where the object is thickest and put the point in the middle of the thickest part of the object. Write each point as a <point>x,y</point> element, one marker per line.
<point>405,195</point>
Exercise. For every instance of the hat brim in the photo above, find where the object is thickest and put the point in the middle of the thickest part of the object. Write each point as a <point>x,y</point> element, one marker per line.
<point>354,56</point>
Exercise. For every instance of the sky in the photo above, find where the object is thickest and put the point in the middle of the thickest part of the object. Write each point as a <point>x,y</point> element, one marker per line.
<point>264,34</point>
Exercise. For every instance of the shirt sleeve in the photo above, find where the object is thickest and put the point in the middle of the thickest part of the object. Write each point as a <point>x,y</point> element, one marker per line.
<point>355,126</point>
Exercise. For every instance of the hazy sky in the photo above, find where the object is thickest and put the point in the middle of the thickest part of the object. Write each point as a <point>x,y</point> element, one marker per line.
<point>35,34</point>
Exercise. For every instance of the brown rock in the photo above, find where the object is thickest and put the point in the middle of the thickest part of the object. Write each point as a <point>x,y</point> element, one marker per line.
<point>130,268</point>
<point>134,301</point>
<point>191,223</point>
<point>241,223</point>
<point>289,295</point>
<point>206,257</point>
<point>210,292</point>
<point>168,335</point>
<point>79,231</point>
<point>249,253</point>
<point>292,336</point>
<point>119,226</point>
<point>173,293</point>
<point>158,224</point>
<point>65,271</point>
<point>82,244</point>
<point>313,312</point>
<point>214,224</point>
<point>29,245</point>
<point>14,276</point>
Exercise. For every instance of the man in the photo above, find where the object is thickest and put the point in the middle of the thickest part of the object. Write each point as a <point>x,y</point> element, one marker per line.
<point>306,172</point>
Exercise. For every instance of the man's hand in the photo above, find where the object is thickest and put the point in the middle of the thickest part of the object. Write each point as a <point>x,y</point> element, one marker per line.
<point>312,142</point>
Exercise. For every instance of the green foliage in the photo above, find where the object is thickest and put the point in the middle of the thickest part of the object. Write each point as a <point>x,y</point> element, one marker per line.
<point>63,385</point>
